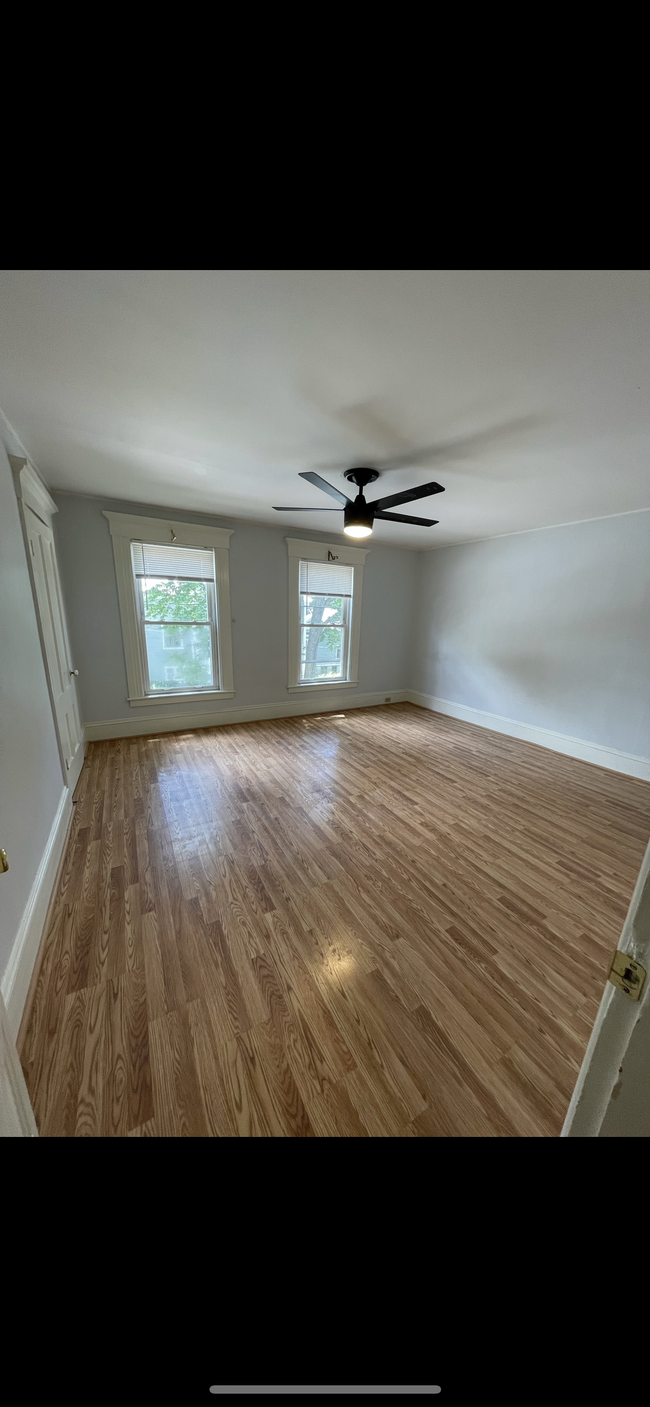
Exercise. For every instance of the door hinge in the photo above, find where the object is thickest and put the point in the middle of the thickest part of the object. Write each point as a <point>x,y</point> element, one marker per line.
<point>627,974</point>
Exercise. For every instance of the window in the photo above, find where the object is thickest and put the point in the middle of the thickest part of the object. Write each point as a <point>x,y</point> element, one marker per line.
<point>175,607</point>
<point>324,614</point>
<point>177,584</point>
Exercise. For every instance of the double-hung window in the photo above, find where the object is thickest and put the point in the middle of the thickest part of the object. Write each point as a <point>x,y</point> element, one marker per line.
<point>175,606</point>
<point>177,616</point>
<point>324,614</point>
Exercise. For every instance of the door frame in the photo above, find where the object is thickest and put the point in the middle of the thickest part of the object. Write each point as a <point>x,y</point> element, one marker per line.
<point>599,1079</point>
<point>32,493</point>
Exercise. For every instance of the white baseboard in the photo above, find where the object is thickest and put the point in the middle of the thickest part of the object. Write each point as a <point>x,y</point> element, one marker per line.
<point>601,756</point>
<point>18,974</point>
<point>249,713</point>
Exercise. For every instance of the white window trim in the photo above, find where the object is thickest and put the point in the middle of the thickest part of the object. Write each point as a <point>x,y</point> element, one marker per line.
<point>301,549</point>
<point>127,528</point>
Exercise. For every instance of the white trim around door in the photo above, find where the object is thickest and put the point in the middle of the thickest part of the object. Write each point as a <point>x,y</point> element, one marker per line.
<point>36,509</point>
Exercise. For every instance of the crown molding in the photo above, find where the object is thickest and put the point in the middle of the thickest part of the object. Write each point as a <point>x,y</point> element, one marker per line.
<point>31,489</point>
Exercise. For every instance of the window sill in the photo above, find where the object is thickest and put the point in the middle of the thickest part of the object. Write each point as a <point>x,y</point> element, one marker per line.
<point>316,688</point>
<point>152,699</point>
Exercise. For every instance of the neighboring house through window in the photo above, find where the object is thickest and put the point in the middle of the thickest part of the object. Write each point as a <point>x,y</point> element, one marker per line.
<point>173,586</point>
<point>325,583</point>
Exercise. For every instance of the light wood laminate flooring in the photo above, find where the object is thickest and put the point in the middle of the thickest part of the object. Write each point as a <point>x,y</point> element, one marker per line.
<point>382,923</point>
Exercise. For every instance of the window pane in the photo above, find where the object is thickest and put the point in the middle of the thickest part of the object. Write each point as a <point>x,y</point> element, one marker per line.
<point>174,600</point>
<point>321,652</point>
<point>314,609</point>
<point>188,665</point>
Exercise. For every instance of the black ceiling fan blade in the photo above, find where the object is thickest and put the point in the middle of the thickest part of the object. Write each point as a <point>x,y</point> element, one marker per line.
<point>404,518</point>
<point>327,488</point>
<point>324,509</point>
<point>409,496</point>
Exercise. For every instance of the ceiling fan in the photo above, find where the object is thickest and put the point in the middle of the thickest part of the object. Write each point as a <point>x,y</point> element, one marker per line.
<point>358,515</point>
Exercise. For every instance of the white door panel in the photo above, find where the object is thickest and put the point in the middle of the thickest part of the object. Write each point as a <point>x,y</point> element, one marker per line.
<point>55,644</point>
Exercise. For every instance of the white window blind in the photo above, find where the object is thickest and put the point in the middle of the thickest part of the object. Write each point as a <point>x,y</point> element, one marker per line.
<point>325,579</point>
<point>178,563</point>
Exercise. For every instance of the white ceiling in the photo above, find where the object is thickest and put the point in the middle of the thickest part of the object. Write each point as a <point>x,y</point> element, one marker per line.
<point>212,390</point>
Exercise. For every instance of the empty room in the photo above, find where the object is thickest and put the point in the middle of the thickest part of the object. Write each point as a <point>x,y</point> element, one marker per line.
<point>325,703</point>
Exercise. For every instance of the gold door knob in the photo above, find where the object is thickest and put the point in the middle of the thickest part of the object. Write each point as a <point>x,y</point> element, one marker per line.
<point>4,863</point>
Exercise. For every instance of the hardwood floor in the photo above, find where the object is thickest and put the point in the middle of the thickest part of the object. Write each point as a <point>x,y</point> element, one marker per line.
<point>379,923</point>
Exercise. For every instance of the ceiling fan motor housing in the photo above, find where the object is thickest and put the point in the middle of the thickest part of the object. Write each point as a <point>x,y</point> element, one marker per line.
<point>358,514</point>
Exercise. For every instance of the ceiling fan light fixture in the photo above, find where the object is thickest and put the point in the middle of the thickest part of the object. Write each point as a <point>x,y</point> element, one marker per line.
<point>358,518</point>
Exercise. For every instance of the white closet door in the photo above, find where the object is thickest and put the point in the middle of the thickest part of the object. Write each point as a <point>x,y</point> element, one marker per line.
<point>55,643</point>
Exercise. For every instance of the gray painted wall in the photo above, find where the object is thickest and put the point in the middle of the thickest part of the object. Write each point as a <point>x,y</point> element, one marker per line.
<point>549,628</point>
<point>31,780</point>
<point>258,588</point>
